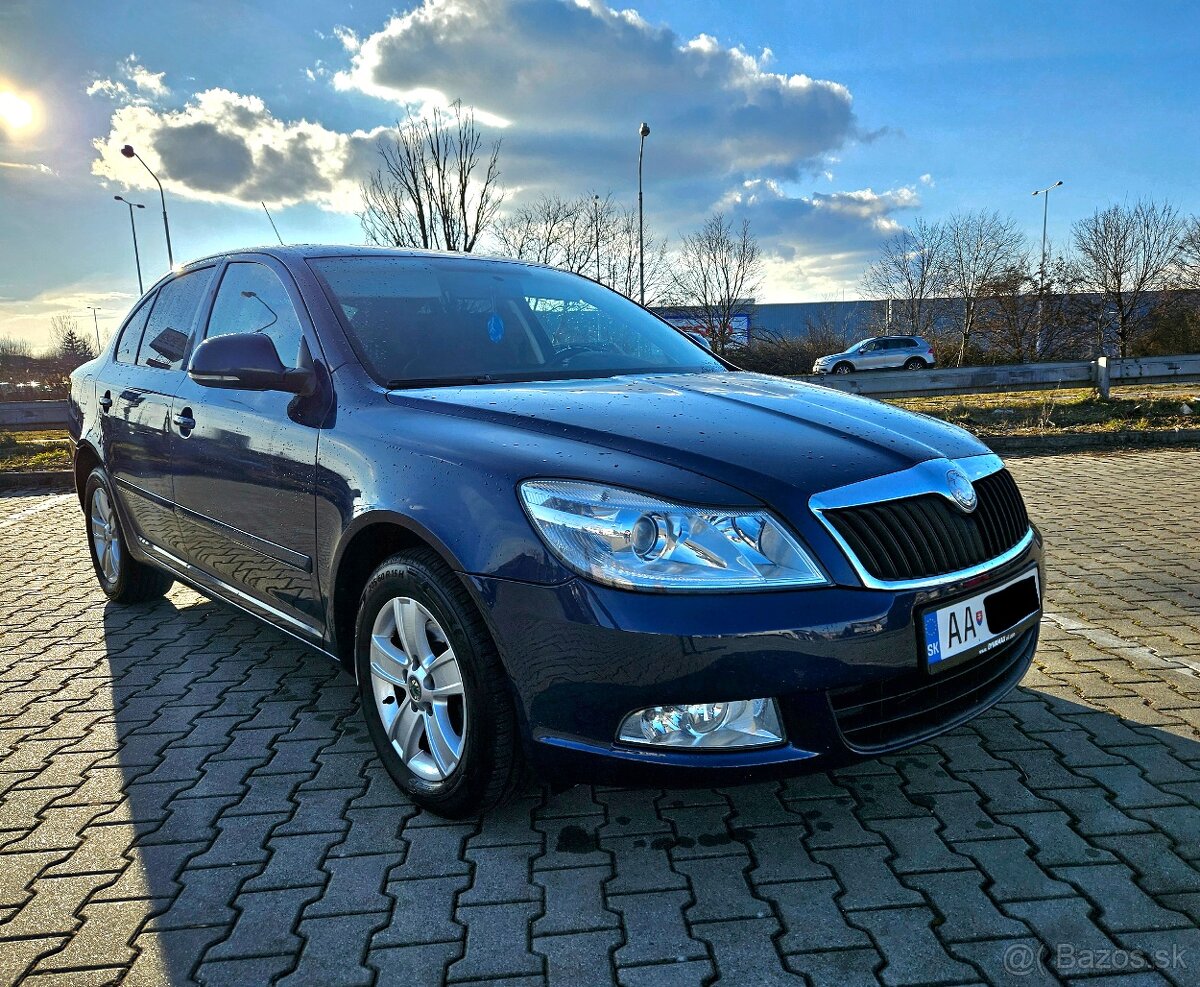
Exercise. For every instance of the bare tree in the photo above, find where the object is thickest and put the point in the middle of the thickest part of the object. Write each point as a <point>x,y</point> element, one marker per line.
<point>719,271</point>
<point>911,273</point>
<point>556,231</point>
<point>567,232</point>
<point>435,189</point>
<point>1189,255</point>
<point>1009,323</point>
<point>619,249</point>
<point>1126,256</point>
<point>980,247</point>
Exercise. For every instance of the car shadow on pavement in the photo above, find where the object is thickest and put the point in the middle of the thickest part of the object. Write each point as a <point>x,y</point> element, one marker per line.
<point>267,844</point>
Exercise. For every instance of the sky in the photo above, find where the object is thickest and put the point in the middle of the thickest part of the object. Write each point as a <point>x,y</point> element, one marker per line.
<point>829,125</point>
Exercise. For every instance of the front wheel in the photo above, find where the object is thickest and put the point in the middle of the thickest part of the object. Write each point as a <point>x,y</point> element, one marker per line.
<point>122,577</point>
<point>916,363</point>
<point>843,368</point>
<point>433,691</point>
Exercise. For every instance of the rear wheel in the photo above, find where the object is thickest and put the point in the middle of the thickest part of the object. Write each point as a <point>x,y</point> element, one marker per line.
<point>916,363</point>
<point>433,690</point>
<point>122,577</point>
<point>843,368</point>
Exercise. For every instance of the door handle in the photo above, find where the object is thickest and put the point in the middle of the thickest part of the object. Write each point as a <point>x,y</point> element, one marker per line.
<point>184,420</point>
<point>106,401</point>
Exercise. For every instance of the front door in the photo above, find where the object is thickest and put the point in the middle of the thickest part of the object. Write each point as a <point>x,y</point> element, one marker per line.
<point>244,461</point>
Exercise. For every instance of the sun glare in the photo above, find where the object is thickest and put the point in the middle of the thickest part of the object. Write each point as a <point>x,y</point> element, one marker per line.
<point>16,113</point>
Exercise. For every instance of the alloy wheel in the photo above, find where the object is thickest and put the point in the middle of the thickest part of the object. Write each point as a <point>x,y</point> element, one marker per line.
<point>418,688</point>
<point>106,538</point>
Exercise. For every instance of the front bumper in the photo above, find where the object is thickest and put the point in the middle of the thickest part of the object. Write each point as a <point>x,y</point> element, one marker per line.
<point>582,656</point>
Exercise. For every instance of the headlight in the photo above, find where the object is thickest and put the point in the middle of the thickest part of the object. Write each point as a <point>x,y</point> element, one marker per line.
<point>628,539</point>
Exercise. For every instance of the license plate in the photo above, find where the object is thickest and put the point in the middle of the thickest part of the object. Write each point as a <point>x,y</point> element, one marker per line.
<point>981,623</point>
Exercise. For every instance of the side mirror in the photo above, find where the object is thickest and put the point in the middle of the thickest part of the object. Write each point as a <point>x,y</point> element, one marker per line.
<point>246,361</point>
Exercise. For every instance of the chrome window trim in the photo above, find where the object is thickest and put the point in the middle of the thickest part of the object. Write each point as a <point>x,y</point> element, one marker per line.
<point>924,478</point>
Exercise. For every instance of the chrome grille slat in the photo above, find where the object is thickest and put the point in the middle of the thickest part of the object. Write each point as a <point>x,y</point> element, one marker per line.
<point>926,535</point>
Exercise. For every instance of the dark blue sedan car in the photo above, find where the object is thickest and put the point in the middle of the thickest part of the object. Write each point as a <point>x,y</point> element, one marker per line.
<point>545,530</point>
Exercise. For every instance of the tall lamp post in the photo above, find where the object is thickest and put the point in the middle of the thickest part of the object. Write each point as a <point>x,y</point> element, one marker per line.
<point>643,133</point>
<point>1045,194</point>
<point>129,152</point>
<point>133,229</point>
<point>96,322</point>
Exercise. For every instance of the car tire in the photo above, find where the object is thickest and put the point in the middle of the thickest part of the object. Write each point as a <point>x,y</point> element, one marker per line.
<point>916,363</point>
<point>452,752</point>
<point>843,368</point>
<point>122,577</point>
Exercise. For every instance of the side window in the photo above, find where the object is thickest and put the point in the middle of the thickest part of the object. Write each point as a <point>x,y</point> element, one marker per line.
<point>131,335</point>
<point>253,299</point>
<point>170,326</point>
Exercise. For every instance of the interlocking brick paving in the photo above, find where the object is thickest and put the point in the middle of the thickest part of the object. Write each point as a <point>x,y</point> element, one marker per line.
<point>189,797</point>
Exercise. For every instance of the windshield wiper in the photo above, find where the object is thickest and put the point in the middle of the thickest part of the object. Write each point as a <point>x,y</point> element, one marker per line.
<point>442,381</point>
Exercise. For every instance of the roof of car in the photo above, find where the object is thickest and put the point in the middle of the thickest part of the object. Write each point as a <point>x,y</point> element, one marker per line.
<point>303,251</point>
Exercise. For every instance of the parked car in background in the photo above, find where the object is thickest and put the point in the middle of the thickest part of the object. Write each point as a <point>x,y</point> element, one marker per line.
<point>879,353</point>
<point>545,531</point>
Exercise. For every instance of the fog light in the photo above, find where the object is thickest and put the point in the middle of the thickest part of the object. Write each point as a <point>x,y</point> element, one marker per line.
<point>742,723</point>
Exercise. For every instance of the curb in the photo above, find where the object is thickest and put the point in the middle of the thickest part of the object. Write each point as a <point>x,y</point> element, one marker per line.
<point>1049,445</point>
<point>38,480</point>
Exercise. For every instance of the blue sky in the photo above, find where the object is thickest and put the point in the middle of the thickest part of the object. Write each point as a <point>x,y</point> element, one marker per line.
<point>862,117</point>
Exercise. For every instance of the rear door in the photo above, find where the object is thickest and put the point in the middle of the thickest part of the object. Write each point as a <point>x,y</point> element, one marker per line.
<point>136,389</point>
<point>245,461</point>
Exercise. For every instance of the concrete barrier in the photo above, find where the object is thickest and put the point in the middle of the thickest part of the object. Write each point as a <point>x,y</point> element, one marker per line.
<point>28,416</point>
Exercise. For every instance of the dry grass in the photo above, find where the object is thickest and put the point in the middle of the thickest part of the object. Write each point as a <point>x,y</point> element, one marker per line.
<point>1070,410</point>
<point>27,451</point>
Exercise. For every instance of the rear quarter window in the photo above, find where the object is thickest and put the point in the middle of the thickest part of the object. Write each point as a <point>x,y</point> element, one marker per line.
<point>131,333</point>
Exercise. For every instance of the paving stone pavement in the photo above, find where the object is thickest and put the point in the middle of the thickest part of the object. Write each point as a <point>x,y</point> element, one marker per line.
<point>189,797</point>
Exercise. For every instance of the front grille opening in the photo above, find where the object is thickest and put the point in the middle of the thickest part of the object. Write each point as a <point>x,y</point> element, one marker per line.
<point>923,536</point>
<point>905,708</point>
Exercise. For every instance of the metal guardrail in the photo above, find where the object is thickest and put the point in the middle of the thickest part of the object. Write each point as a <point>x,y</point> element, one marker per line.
<point>28,416</point>
<point>1102,374</point>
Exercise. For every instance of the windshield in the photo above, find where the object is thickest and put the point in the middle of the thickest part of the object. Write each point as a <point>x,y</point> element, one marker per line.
<point>418,320</point>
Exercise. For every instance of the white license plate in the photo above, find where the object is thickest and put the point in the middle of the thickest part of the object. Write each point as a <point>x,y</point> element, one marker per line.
<point>982,622</point>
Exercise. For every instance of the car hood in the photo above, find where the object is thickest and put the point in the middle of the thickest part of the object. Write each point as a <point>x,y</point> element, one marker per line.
<point>777,440</point>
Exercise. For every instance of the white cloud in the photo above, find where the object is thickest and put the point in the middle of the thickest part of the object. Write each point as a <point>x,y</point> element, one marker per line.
<point>37,169</point>
<point>136,83</point>
<point>223,146</point>
<point>575,79</point>
<point>927,180</point>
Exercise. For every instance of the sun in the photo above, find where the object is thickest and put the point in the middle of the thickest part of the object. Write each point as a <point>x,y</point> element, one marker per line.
<point>16,113</point>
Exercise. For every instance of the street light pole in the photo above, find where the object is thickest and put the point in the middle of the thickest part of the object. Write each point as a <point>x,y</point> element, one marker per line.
<point>129,152</point>
<point>643,132</point>
<point>1045,194</point>
<point>133,229</point>
<point>96,322</point>
<point>596,206</point>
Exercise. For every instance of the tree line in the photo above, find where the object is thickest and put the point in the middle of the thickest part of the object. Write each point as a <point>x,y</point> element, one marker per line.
<point>1127,283</point>
<point>21,365</point>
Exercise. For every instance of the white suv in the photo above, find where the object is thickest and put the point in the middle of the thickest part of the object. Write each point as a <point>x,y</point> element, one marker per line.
<point>879,353</point>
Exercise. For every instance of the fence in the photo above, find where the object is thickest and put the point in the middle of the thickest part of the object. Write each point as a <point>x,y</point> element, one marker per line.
<point>1102,374</point>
